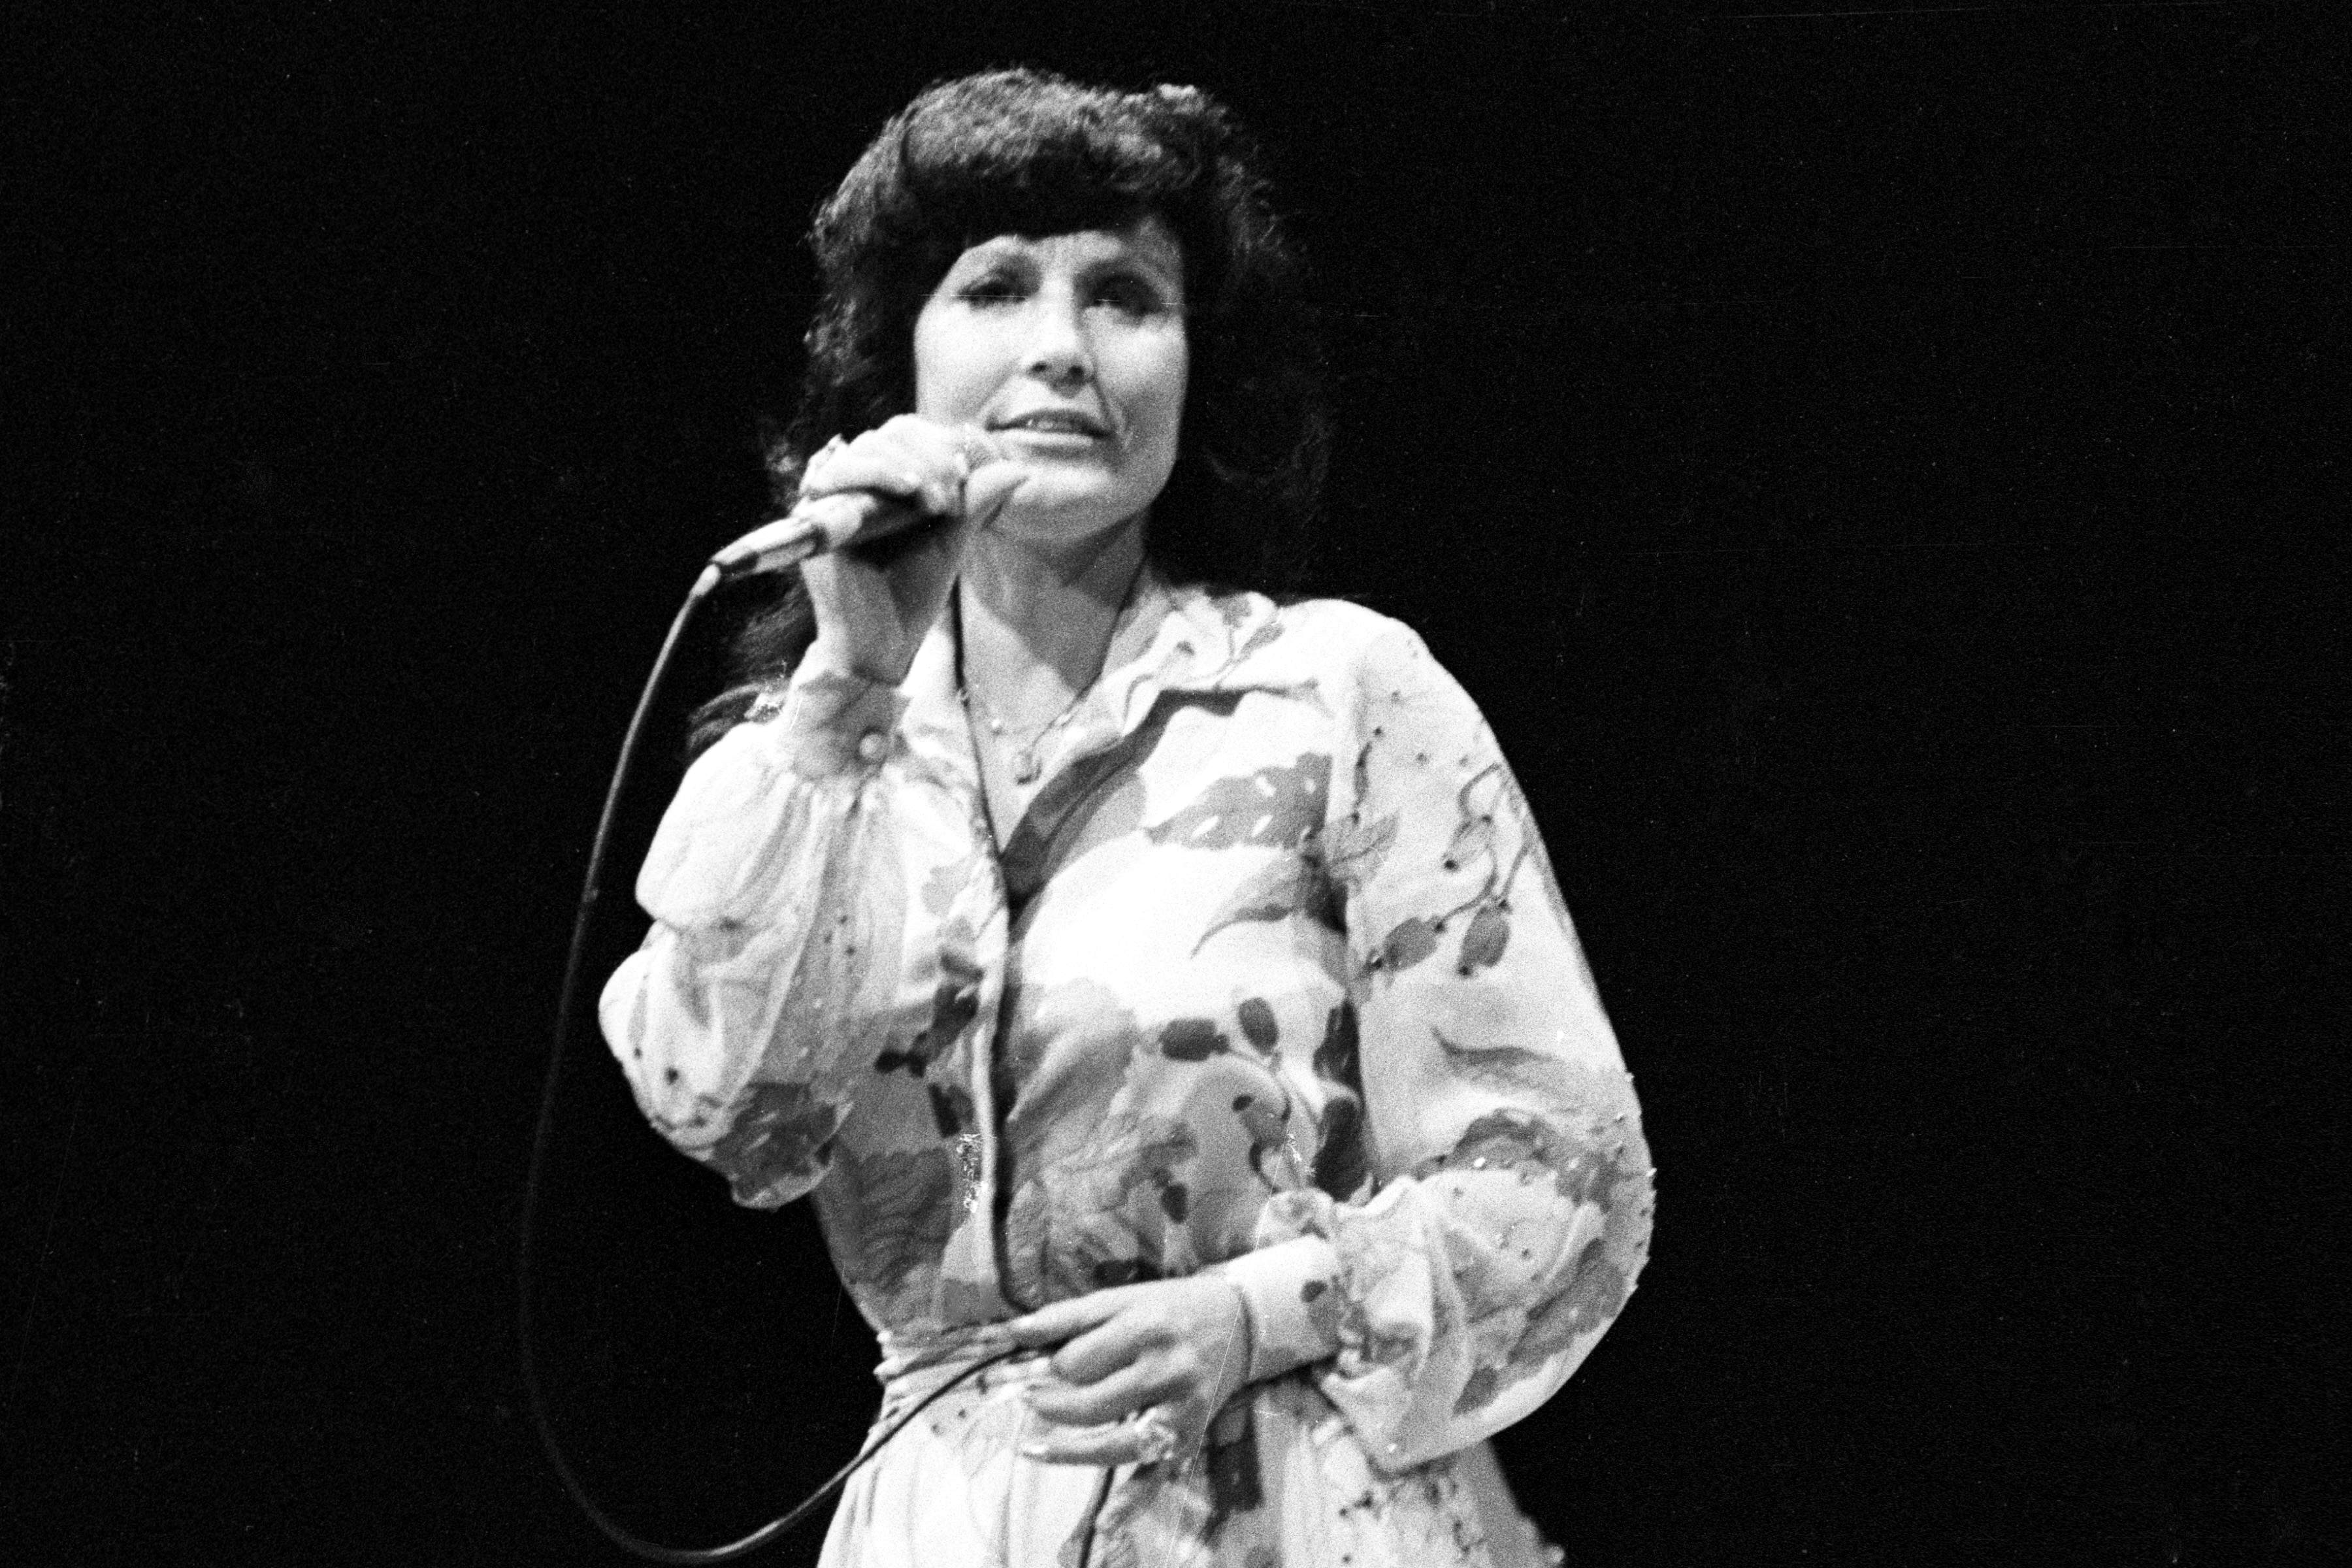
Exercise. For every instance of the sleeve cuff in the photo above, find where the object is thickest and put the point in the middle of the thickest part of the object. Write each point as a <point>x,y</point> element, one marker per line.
<point>838,725</point>
<point>1292,1291</point>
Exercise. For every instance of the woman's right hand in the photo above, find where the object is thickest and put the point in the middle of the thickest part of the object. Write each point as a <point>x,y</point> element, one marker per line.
<point>875,603</point>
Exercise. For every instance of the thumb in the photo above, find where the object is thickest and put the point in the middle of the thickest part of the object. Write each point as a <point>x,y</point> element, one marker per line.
<point>978,449</point>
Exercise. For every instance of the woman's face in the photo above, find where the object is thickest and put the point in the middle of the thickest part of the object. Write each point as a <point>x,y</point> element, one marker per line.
<point>1070,349</point>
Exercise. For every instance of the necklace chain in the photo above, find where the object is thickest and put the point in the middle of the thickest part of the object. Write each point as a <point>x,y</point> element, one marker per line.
<point>1026,763</point>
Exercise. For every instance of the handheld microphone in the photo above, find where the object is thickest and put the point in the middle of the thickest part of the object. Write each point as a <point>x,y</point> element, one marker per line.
<point>818,524</point>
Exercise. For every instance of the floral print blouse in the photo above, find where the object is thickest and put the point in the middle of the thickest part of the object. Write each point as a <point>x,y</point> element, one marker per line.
<point>1274,978</point>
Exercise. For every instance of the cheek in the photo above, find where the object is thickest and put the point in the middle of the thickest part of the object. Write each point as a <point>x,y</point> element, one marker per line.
<point>1167,394</point>
<point>949,382</point>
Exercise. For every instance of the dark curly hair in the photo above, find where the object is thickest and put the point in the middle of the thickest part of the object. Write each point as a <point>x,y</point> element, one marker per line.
<point>1029,152</point>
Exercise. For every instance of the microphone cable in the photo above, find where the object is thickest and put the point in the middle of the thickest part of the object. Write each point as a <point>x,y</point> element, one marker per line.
<point>566,1005</point>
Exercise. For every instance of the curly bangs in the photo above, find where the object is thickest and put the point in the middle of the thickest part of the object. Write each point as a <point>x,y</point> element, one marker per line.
<point>1029,152</point>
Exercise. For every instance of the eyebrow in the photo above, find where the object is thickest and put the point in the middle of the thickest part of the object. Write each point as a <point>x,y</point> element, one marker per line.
<point>1171,267</point>
<point>1165,274</point>
<point>1160,258</point>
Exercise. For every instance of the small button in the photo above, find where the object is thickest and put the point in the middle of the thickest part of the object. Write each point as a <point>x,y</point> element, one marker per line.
<point>872,745</point>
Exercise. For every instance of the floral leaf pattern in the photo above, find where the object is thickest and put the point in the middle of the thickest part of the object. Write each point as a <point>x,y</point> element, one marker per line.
<point>1232,1456</point>
<point>955,1003</point>
<point>1192,1040</point>
<point>1539,1077</point>
<point>1483,943</point>
<point>1603,1173</point>
<point>1340,1154</point>
<point>1277,806</point>
<point>1408,942</point>
<point>1273,1154</point>
<point>1091,1216</point>
<point>1258,640</point>
<point>1286,885</point>
<point>1351,850</point>
<point>1014,1079</point>
<point>945,881</point>
<point>1339,1165</point>
<point>889,1214</point>
<point>777,1141</point>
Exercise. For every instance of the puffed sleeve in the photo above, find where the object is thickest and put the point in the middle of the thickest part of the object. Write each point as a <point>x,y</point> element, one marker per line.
<point>1511,1201</point>
<point>799,928</point>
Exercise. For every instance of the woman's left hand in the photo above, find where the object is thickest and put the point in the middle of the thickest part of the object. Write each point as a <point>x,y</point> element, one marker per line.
<point>1176,1347</point>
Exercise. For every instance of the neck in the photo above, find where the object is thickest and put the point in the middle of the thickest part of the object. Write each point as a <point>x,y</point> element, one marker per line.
<point>1037,623</point>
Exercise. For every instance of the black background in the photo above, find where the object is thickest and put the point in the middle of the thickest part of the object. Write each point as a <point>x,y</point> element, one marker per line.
<point>1874,466</point>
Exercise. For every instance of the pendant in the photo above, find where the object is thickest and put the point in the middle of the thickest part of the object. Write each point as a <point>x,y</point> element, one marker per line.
<point>1024,765</point>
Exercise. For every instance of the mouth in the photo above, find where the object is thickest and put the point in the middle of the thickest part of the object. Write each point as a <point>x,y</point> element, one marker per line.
<point>1053,422</point>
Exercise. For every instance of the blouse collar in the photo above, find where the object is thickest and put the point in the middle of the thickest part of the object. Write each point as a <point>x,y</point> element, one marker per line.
<point>1198,640</point>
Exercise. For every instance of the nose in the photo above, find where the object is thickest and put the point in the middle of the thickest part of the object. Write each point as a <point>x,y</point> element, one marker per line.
<point>1058,351</point>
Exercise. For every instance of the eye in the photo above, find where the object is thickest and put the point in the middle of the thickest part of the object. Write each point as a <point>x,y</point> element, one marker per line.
<point>1129,294</point>
<point>990,288</point>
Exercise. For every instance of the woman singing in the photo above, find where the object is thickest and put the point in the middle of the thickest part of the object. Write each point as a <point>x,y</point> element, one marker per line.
<point>1135,970</point>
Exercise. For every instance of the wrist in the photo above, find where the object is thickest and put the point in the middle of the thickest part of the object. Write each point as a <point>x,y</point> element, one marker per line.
<point>1290,1294</point>
<point>832,659</point>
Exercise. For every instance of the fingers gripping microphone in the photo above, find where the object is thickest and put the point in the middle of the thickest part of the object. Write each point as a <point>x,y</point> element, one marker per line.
<point>819,524</point>
<point>816,525</point>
